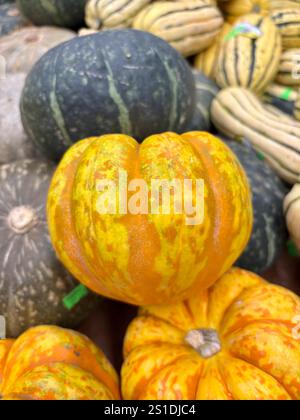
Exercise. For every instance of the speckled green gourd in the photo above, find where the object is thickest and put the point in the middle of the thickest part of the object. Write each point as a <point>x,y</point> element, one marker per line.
<point>33,283</point>
<point>121,81</point>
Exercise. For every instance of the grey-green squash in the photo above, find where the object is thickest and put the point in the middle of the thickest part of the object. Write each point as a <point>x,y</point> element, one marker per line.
<point>118,81</point>
<point>33,283</point>
<point>10,19</point>
<point>64,13</point>
<point>269,233</point>
<point>206,91</point>
<point>292,214</point>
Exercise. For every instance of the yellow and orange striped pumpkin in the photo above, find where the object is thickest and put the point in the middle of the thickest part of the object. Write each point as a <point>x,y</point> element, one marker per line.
<point>149,258</point>
<point>51,363</point>
<point>237,341</point>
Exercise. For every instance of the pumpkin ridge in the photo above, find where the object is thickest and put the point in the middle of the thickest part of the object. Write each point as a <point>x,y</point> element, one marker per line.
<point>158,372</point>
<point>252,363</point>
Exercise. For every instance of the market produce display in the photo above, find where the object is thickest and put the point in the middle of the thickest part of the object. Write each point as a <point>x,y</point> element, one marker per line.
<point>232,342</point>
<point>153,259</point>
<point>65,13</point>
<point>149,155</point>
<point>10,19</point>
<point>288,23</point>
<point>207,60</point>
<point>206,91</point>
<point>136,93</point>
<point>238,113</point>
<point>33,283</point>
<point>269,234</point>
<point>14,144</point>
<point>292,213</point>
<point>190,26</point>
<point>283,98</point>
<point>288,73</point>
<point>100,14</point>
<point>51,363</point>
<point>250,57</point>
<point>23,48</point>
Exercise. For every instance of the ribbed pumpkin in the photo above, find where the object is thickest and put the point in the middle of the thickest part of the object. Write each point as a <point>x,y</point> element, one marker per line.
<point>269,233</point>
<point>292,213</point>
<point>10,19</point>
<point>33,283</point>
<point>284,98</point>
<point>288,23</point>
<point>233,342</point>
<point>289,68</point>
<point>65,13</point>
<point>238,113</point>
<point>23,48</point>
<point>149,258</point>
<point>100,14</point>
<point>237,8</point>
<point>207,60</point>
<point>140,84</point>
<point>51,363</point>
<point>250,58</point>
<point>14,144</point>
<point>190,26</point>
<point>206,91</point>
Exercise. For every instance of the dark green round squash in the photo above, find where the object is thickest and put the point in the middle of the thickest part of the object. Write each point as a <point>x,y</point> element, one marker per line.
<point>121,81</point>
<point>269,234</point>
<point>206,91</point>
<point>65,13</point>
<point>32,281</point>
<point>10,19</point>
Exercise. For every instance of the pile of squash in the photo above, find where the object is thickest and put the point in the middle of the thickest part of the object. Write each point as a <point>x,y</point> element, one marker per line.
<point>160,90</point>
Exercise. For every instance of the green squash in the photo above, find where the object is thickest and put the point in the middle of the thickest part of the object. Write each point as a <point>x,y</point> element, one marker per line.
<point>121,81</point>
<point>65,13</point>
<point>206,91</point>
<point>269,233</point>
<point>33,283</point>
<point>10,19</point>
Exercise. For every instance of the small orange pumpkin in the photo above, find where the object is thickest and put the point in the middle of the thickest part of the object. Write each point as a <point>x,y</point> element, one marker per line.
<point>51,363</point>
<point>149,258</point>
<point>237,341</point>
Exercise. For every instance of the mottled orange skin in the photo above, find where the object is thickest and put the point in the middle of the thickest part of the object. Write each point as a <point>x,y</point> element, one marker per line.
<point>149,259</point>
<point>51,363</point>
<point>260,356</point>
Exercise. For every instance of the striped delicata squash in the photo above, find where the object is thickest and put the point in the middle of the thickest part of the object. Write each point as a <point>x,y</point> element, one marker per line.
<point>289,68</point>
<point>103,14</point>
<point>190,26</point>
<point>288,23</point>
<point>238,113</point>
<point>292,214</point>
<point>250,55</point>
<point>207,60</point>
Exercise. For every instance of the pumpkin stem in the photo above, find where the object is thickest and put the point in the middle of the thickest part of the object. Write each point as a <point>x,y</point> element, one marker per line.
<point>22,219</point>
<point>205,341</point>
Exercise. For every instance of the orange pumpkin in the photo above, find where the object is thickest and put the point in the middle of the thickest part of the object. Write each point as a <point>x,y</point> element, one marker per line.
<point>237,341</point>
<point>51,363</point>
<point>149,258</point>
